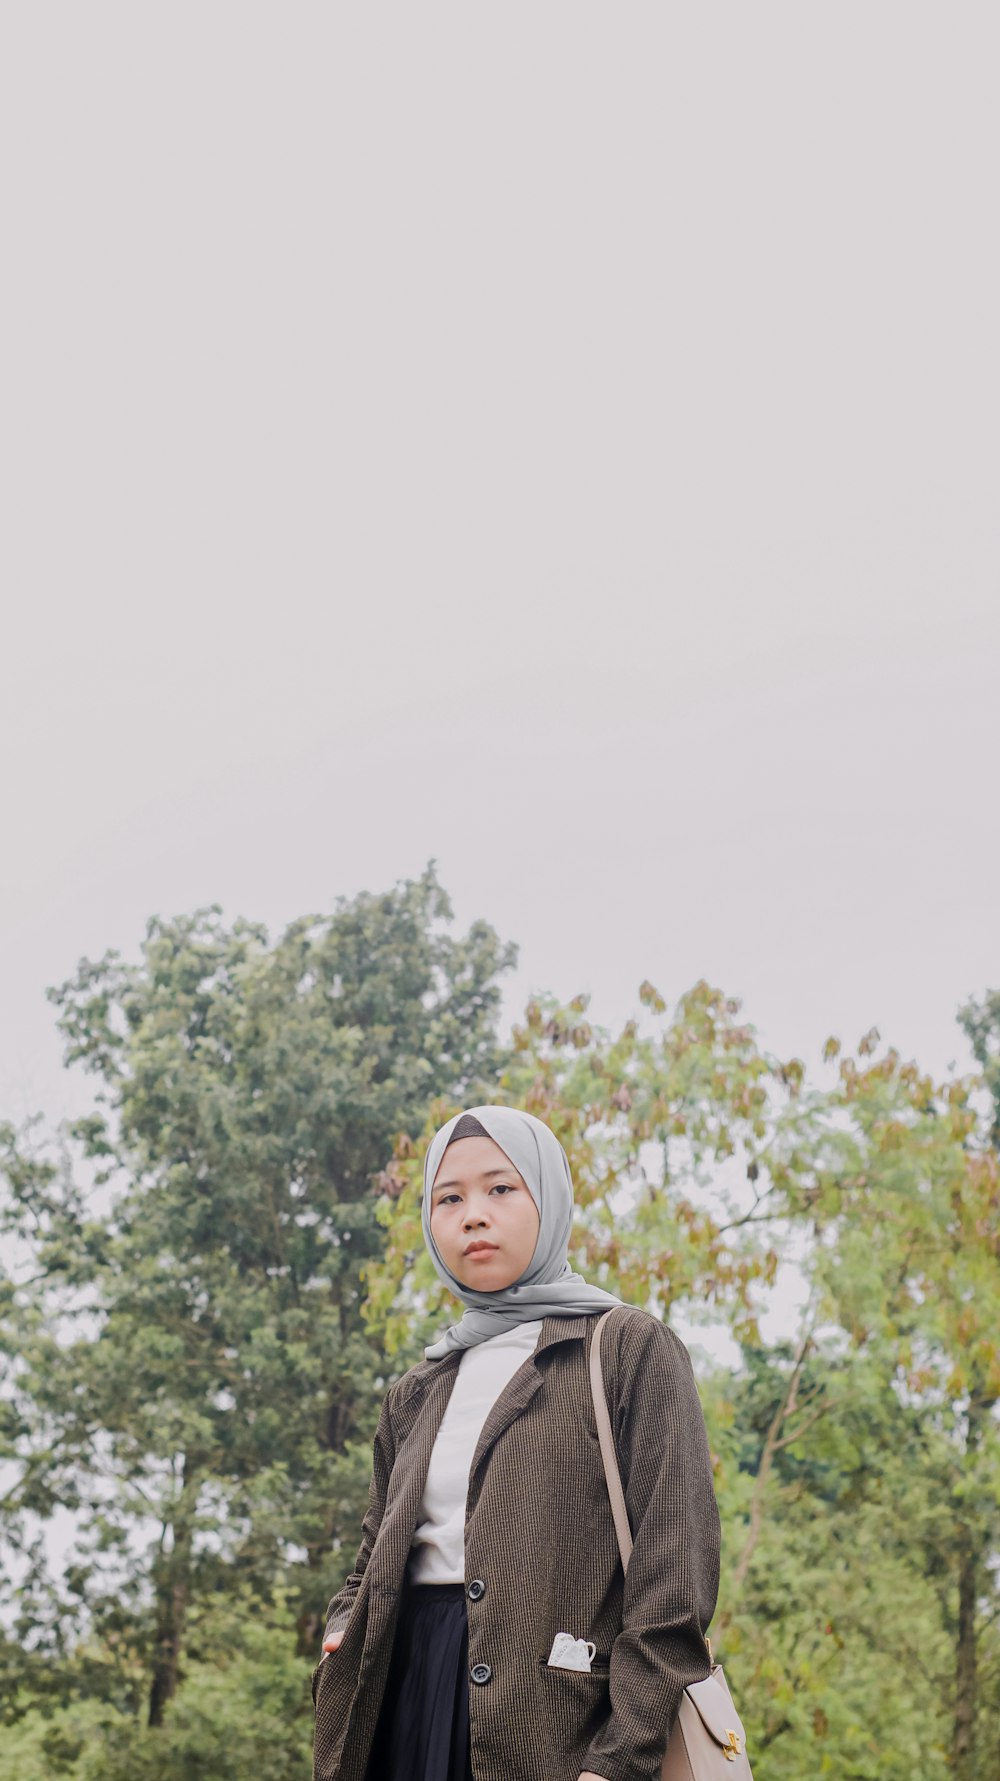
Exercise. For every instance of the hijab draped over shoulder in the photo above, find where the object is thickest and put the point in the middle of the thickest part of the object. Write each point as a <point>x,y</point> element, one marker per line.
<point>548,1285</point>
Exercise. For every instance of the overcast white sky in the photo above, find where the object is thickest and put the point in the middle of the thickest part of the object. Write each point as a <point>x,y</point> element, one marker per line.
<point>562,441</point>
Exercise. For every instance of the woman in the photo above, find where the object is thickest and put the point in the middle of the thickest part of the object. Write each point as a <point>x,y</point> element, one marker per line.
<point>489,1529</point>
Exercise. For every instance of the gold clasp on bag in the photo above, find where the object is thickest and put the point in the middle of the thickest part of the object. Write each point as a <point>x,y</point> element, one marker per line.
<point>731,1750</point>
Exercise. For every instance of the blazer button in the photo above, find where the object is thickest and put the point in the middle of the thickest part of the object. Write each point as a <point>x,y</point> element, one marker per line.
<point>477,1588</point>
<point>481,1672</point>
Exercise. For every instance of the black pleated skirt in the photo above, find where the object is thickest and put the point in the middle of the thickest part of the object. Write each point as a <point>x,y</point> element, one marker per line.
<point>423,1726</point>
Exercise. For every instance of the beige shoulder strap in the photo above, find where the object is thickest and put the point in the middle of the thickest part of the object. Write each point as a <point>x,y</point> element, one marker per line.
<point>607,1440</point>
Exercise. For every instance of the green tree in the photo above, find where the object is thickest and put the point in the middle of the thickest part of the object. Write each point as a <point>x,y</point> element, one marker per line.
<point>701,1165</point>
<point>194,1349</point>
<point>194,1378</point>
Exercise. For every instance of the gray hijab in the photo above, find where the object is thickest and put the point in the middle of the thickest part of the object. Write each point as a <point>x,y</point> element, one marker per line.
<point>548,1285</point>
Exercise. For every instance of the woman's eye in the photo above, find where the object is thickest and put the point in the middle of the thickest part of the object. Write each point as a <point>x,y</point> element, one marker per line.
<point>506,1187</point>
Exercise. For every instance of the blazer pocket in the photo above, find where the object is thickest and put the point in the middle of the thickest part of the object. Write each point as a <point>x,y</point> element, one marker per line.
<point>575,1704</point>
<point>598,1671</point>
<point>322,1669</point>
<point>336,1674</point>
<point>314,1678</point>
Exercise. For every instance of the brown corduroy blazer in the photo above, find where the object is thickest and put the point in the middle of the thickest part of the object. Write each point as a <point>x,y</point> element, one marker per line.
<point>540,1538</point>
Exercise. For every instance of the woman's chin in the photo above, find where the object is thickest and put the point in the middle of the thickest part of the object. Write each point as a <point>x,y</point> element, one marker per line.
<point>483,1279</point>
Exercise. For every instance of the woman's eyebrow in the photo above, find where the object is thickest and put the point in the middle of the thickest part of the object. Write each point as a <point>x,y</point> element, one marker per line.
<point>439,1186</point>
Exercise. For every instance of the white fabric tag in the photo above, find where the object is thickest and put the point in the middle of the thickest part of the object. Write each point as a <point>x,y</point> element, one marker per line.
<point>571,1654</point>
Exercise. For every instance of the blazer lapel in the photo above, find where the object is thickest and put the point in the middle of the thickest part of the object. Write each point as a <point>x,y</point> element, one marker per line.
<point>521,1388</point>
<point>426,1402</point>
<point>417,1419</point>
<point>516,1394</point>
<point>415,1425</point>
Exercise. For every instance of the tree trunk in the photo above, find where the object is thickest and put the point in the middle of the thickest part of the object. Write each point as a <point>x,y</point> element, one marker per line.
<point>173,1589</point>
<point>773,1442</point>
<point>964,1742</point>
<point>970,1563</point>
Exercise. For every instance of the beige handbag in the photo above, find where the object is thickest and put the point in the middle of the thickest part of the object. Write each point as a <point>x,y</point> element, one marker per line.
<point>708,1741</point>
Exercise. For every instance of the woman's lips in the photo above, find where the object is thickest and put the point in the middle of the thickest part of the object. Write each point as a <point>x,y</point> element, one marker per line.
<point>480,1255</point>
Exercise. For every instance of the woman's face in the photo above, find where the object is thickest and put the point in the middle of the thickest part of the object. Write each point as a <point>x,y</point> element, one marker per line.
<point>478,1197</point>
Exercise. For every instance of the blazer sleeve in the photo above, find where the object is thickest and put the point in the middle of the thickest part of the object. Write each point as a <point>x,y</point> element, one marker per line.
<point>672,1580</point>
<point>383,1455</point>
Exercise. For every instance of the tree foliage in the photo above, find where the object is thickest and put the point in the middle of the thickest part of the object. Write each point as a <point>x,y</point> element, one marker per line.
<point>216,1276</point>
<point>703,1168</point>
<point>193,1378</point>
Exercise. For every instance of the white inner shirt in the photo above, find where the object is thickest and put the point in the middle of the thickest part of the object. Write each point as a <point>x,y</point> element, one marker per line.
<point>437,1552</point>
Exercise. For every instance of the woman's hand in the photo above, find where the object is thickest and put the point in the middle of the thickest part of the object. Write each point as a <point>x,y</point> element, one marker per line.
<point>588,1775</point>
<point>331,1643</point>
